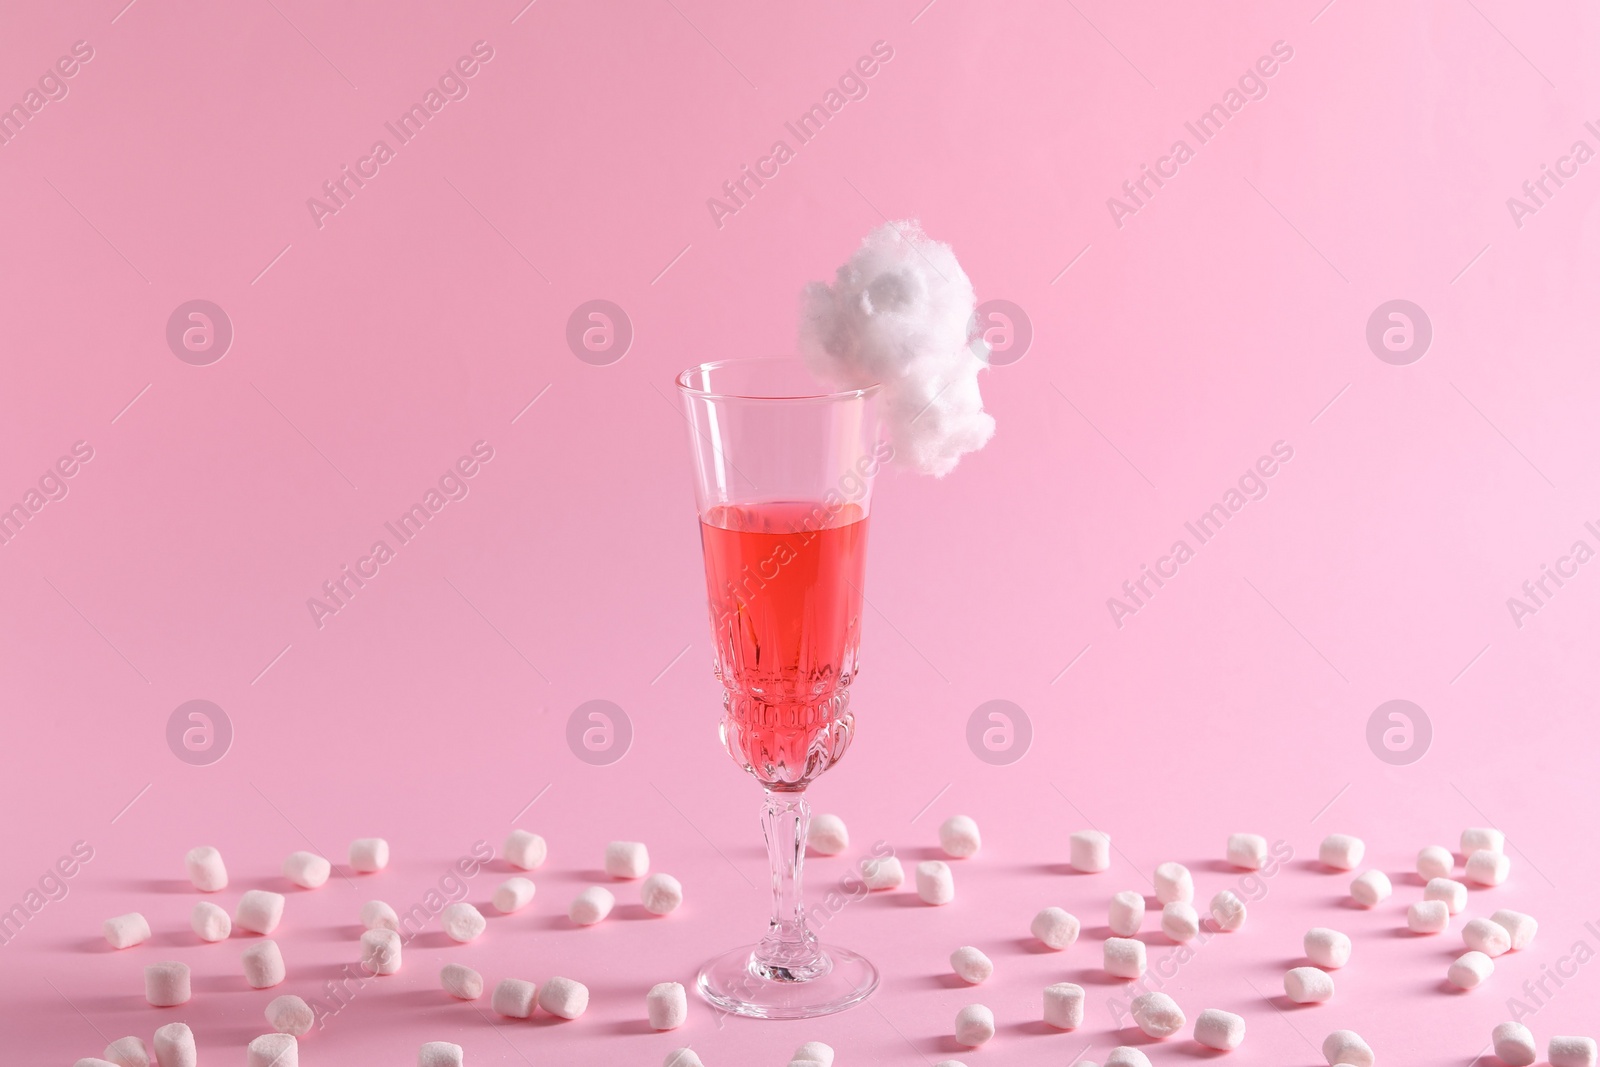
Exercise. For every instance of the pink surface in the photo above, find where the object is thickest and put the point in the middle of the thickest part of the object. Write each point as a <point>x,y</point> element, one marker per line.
<point>370,352</point>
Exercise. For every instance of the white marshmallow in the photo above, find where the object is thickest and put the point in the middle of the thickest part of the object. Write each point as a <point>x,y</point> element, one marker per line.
<point>1124,957</point>
<point>1572,1052</point>
<point>514,998</point>
<point>682,1057</point>
<point>814,1052</point>
<point>1126,913</point>
<point>1056,927</point>
<point>166,984</point>
<point>1227,911</point>
<point>461,981</point>
<point>128,1052</point>
<point>1157,1014</point>
<point>513,894</point>
<point>1125,1056</point>
<point>258,911</point>
<point>1486,936</point>
<point>369,854</point>
<point>1342,852</point>
<point>210,922</point>
<point>174,1046</point>
<point>1470,970</point>
<point>1521,927</point>
<point>1488,868</point>
<point>1180,921</point>
<point>307,870</point>
<point>263,965</point>
<point>883,873</point>
<point>1090,851</point>
<point>1063,1005</point>
<point>93,1061</point>
<point>462,922</point>
<point>376,915</point>
<point>273,1050</point>
<point>1328,949</point>
<point>1435,861</point>
<point>1477,838</point>
<point>564,998</point>
<point>1347,1047</point>
<point>666,1005</point>
<point>1308,985</point>
<point>525,851</point>
<point>1453,893</point>
<point>380,951</point>
<point>1221,1030</point>
<point>1174,882</point>
<point>827,835</point>
<point>970,965</point>
<point>627,859</point>
<point>289,1014</point>
<point>440,1054</point>
<point>1371,888</point>
<point>1428,917</point>
<point>206,869</point>
<point>958,836</point>
<point>591,905</point>
<point>1248,851</point>
<point>661,894</point>
<point>974,1025</point>
<point>935,883</point>
<point>125,931</point>
<point>1514,1045</point>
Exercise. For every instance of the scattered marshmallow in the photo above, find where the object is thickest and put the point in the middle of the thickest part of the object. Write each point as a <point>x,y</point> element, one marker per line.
<point>935,883</point>
<point>525,851</point>
<point>1342,852</point>
<point>1371,888</point>
<point>380,951</point>
<point>682,1057</point>
<point>210,922</point>
<point>307,869</point>
<point>513,894</point>
<point>263,965</point>
<point>461,981</point>
<point>1180,921</point>
<point>273,1050</point>
<point>1227,911</point>
<point>627,859</point>
<point>128,1052</point>
<point>125,931</point>
<point>462,922</point>
<point>258,911</point>
<point>1521,927</point>
<point>369,854</point>
<point>1090,851</point>
<point>1174,882</point>
<point>166,984</point>
<point>290,1015</point>
<point>974,1025</point>
<point>666,1005</point>
<point>1514,1045</point>
<point>1480,838</point>
<point>1126,913</point>
<point>564,998</point>
<point>1453,893</point>
<point>1308,985</point>
<point>174,1046</point>
<point>1221,1030</point>
<point>1063,1005</point>
<point>970,965</point>
<point>828,835</point>
<point>1572,1052</point>
<point>1056,927</point>
<point>94,1061</point>
<point>1486,936</point>
<point>1470,970</point>
<point>440,1054</point>
<point>1435,861</point>
<point>1347,1047</point>
<point>883,873</point>
<point>814,1052</point>
<point>1428,917</point>
<point>206,869</point>
<point>1125,1056</point>
<point>591,905</point>
<point>514,998</point>
<point>958,836</point>
<point>661,894</point>
<point>1488,868</point>
<point>1157,1014</point>
<point>1247,851</point>
<point>1124,957</point>
<point>376,915</point>
<point>1328,949</point>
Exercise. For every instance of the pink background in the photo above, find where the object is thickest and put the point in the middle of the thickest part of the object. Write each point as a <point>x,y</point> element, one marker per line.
<point>1229,313</point>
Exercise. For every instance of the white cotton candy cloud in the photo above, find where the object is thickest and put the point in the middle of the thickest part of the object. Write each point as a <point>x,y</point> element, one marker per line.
<point>899,313</point>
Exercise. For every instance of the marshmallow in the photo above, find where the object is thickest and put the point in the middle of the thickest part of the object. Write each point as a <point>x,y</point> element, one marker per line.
<point>1063,1005</point>
<point>1513,1045</point>
<point>970,965</point>
<point>1347,1047</point>
<point>376,915</point>
<point>1486,936</point>
<point>462,922</point>
<point>1308,985</point>
<point>1174,882</point>
<point>273,1050</point>
<point>125,931</point>
<point>1124,957</point>
<point>206,869</point>
<point>307,869</point>
<point>591,905</point>
<point>1090,851</point>
<point>666,1005</point>
<point>1470,970</point>
<point>682,1057</point>
<point>461,981</point>
<point>1227,911</point>
<point>93,1061</point>
<point>1221,1030</point>
<point>514,998</point>
<point>368,854</point>
<point>1371,888</point>
<point>1126,913</point>
<point>564,998</point>
<point>935,883</point>
<point>258,911</point>
<point>974,1025</point>
<point>1328,949</point>
<point>166,984</point>
<point>1428,917</point>
<point>958,836</point>
<point>525,851</point>
<point>1521,927</point>
<point>627,859</point>
<point>814,1052</point>
<point>1453,893</point>
<point>440,1054</point>
<point>263,965</point>
<point>1342,852</point>
<point>884,873</point>
<point>513,894</point>
<point>1478,838</point>
<point>1125,1056</point>
<point>1180,921</point>
<point>174,1046</point>
<point>1248,851</point>
<point>1488,868</point>
<point>827,835</point>
<point>290,1015</point>
<point>1435,861</point>
<point>210,922</point>
<point>1157,1014</point>
<point>661,894</point>
<point>128,1052</point>
<point>1572,1052</point>
<point>380,951</point>
<point>1056,927</point>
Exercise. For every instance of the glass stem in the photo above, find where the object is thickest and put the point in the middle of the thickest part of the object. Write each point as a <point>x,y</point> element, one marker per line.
<point>789,952</point>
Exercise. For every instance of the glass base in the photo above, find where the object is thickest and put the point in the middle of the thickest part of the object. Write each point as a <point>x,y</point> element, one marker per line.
<point>735,983</point>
